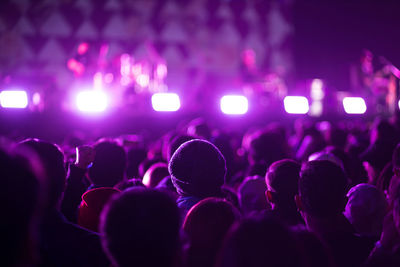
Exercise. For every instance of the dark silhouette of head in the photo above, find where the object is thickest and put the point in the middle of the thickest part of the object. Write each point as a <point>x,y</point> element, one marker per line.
<point>252,194</point>
<point>198,169</point>
<point>206,225</point>
<point>19,203</point>
<point>282,181</point>
<point>259,241</point>
<point>176,142</point>
<point>267,146</point>
<point>322,189</point>
<point>135,156</point>
<point>365,209</point>
<point>109,164</point>
<point>54,167</point>
<point>199,128</point>
<point>140,227</point>
<point>155,174</point>
<point>93,202</point>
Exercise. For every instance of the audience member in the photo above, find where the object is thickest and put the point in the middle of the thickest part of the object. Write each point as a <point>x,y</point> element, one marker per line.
<point>155,174</point>
<point>206,225</point>
<point>20,204</point>
<point>198,171</point>
<point>140,227</point>
<point>365,210</point>
<point>282,185</point>
<point>321,201</point>
<point>62,243</point>
<point>259,241</point>
<point>251,195</point>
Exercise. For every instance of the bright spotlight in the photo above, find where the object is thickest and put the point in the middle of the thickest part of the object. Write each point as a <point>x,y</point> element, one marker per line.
<point>13,99</point>
<point>354,105</point>
<point>165,102</point>
<point>234,104</point>
<point>91,101</point>
<point>296,104</point>
<point>317,92</point>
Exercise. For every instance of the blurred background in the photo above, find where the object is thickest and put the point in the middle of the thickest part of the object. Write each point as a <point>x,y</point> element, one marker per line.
<point>116,66</point>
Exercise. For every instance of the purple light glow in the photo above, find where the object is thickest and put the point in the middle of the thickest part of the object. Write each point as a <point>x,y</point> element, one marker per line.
<point>234,104</point>
<point>13,99</point>
<point>296,104</point>
<point>317,92</point>
<point>143,80</point>
<point>83,48</point>
<point>165,102</point>
<point>36,99</point>
<point>354,105</point>
<point>91,101</point>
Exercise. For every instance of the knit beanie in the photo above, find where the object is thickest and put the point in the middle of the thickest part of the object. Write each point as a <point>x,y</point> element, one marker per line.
<point>198,169</point>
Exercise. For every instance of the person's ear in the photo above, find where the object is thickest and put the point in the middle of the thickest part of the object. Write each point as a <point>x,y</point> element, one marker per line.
<point>299,204</point>
<point>268,195</point>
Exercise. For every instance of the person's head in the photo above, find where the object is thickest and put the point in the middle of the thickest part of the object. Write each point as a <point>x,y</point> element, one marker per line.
<point>365,209</point>
<point>198,169</point>
<point>109,164</point>
<point>199,128</point>
<point>206,225</point>
<point>140,227</point>
<point>155,174</point>
<point>93,202</point>
<point>20,200</point>
<point>54,167</point>
<point>135,156</point>
<point>259,241</point>
<point>322,189</point>
<point>176,142</point>
<point>251,194</point>
<point>282,181</point>
<point>267,146</point>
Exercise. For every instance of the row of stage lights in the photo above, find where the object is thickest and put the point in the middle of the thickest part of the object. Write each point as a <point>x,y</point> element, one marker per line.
<point>96,101</point>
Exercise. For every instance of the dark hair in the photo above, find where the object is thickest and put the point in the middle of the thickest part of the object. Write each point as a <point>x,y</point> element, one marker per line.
<point>19,199</point>
<point>267,146</point>
<point>141,227</point>
<point>206,225</point>
<point>322,188</point>
<point>52,159</point>
<point>176,142</point>
<point>259,241</point>
<point>282,179</point>
<point>109,164</point>
<point>134,157</point>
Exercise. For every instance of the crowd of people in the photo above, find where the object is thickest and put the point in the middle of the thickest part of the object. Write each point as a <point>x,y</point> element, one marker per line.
<point>320,194</point>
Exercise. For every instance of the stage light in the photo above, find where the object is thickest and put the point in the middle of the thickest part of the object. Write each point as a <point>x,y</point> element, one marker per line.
<point>354,105</point>
<point>143,80</point>
<point>91,101</point>
<point>316,108</point>
<point>296,104</point>
<point>234,104</point>
<point>36,99</point>
<point>83,48</point>
<point>165,102</point>
<point>13,99</point>
<point>317,92</point>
